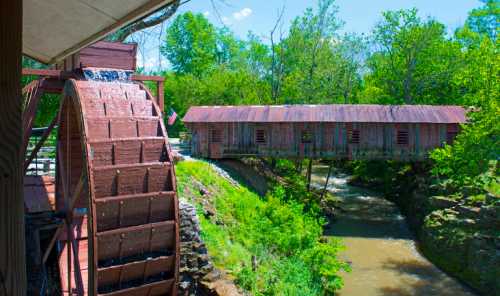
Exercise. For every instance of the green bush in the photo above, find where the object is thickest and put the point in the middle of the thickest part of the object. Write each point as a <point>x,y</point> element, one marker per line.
<point>472,160</point>
<point>283,237</point>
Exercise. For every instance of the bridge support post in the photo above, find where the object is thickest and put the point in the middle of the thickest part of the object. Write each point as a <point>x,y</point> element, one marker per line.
<point>309,169</point>
<point>327,179</point>
<point>12,241</point>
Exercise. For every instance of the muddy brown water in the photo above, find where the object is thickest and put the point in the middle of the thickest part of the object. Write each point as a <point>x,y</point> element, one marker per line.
<point>379,246</point>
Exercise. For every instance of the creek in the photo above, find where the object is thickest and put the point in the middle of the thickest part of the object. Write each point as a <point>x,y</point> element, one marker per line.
<point>379,245</point>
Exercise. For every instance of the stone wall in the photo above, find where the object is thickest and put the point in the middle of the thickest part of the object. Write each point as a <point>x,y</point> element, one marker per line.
<point>198,276</point>
<point>461,238</point>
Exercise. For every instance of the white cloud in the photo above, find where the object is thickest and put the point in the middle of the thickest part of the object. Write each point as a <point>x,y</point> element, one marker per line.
<point>226,21</point>
<point>206,13</point>
<point>239,15</point>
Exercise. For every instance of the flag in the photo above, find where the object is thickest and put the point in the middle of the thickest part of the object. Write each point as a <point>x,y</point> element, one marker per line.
<point>172,116</point>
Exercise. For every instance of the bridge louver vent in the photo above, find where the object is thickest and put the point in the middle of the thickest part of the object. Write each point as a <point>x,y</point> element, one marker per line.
<point>354,137</point>
<point>260,136</point>
<point>402,138</point>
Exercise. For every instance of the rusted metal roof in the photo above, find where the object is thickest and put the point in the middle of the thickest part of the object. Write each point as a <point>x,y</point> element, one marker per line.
<point>328,113</point>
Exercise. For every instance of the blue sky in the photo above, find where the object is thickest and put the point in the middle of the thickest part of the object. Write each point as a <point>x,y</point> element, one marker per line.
<point>359,16</point>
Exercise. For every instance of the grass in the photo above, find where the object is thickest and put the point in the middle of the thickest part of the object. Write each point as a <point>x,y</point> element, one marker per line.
<point>270,247</point>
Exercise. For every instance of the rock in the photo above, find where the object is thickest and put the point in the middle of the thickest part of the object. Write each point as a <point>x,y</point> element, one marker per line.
<point>468,212</point>
<point>441,202</point>
<point>197,273</point>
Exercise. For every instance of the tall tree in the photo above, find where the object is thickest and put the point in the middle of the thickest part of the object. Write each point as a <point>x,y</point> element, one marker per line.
<point>351,50</point>
<point>479,80</point>
<point>485,19</point>
<point>414,61</point>
<point>307,48</point>
<point>191,44</point>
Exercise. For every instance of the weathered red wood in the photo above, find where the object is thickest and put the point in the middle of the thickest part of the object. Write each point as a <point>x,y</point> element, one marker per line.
<point>39,193</point>
<point>77,273</point>
<point>33,93</point>
<point>136,270</point>
<point>160,95</point>
<point>138,208</point>
<point>166,287</point>
<point>12,240</point>
<point>131,203</point>
<point>137,77</point>
<point>107,55</point>
<point>40,143</point>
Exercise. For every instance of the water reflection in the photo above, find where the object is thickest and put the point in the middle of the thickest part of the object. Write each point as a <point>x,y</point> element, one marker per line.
<point>380,246</point>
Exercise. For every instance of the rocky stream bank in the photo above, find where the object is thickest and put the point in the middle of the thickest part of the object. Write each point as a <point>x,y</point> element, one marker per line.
<point>459,233</point>
<point>198,276</point>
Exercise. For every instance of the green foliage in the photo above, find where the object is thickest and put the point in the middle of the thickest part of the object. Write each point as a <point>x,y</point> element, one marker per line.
<point>191,44</point>
<point>283,237</point>
<point>221,87</point>
<point>478,80</point>
<point>414,62</point>
<point>485,20</point>
<point>472,160</point>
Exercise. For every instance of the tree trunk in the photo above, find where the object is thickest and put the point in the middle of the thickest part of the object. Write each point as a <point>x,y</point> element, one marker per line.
<point>12,245</point>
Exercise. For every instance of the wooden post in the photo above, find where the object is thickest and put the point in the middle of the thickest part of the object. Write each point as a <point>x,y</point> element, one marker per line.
<point>327,179</point>
<point>12,242</point>
<point>309,169</point>
<point>160,96</point>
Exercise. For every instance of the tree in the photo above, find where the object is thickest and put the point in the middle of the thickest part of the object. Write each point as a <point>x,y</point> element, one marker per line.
<point>478,81</point>
<point>352,51</point>
<point>191,44</point>
<point>155,19</point>
<point>307,48</point>
<point>257,56</point>
<point>414,61</point>
<point>472,159</point>
<point>485,20</point>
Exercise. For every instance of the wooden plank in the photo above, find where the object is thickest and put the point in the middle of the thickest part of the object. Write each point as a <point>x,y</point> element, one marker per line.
<point>12,241</point>
<point>40,143</point>
<point>138,77</point>
<point>135,210</point>
<point>39,193</point>
<point>104,54</point>
<point>79,271</point>
<point>160,95</point>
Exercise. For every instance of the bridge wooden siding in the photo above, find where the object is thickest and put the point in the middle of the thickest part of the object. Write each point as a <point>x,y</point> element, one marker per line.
<point>374,132</point>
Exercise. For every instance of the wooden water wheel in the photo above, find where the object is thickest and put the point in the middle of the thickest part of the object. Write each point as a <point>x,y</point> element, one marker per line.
<point>116,184</point>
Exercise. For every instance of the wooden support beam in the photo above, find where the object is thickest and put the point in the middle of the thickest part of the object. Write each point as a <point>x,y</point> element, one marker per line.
<point>12,240</point>
<point>327,180</point>
<point>39,145</point>
<point>32,93</point>
<point>309,169</point>
<point>147,78</point>
<point>69,210</point>
<point>160,95</point>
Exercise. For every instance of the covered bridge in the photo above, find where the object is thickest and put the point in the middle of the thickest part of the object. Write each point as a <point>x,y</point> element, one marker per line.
<point>322,131</point>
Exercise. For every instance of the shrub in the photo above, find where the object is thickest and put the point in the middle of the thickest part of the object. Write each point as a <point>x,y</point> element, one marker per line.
<point>472,160</point>
<point>283,237</point>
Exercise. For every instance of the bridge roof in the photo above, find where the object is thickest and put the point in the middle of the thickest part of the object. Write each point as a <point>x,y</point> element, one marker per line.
<point>327,113</point>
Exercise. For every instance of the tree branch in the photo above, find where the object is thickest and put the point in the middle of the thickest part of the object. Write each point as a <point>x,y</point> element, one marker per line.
<point>163,15</point>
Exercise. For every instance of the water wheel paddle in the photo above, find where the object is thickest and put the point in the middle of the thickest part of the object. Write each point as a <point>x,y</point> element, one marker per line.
<point>116,182</point>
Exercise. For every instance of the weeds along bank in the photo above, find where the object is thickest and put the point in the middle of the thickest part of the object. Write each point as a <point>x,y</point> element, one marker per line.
<point>459,231</point>
<point>271,245</point>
